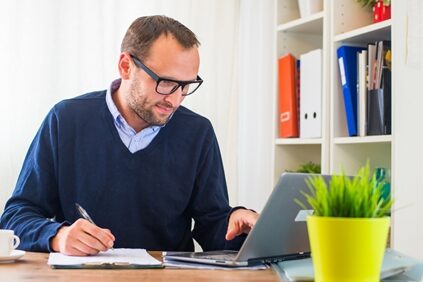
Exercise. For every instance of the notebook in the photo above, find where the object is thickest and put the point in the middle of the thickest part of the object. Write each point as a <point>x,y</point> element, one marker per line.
<point>394,263</point>
<point>280,232</point>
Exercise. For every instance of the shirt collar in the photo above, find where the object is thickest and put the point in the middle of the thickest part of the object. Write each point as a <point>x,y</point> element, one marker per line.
<point>117,117</point>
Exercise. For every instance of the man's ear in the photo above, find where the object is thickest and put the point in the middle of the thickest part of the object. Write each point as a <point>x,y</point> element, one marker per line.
<point>124,65</point>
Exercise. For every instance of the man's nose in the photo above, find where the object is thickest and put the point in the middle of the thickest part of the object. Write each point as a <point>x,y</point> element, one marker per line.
<point>175,98</point>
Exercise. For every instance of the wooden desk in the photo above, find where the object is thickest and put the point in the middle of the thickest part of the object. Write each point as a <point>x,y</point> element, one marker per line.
<point>33,267</point>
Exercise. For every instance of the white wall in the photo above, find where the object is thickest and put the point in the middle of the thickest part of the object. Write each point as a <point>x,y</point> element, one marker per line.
<point>257,86</point>
<point>407,152</point>
<point>51,50</point>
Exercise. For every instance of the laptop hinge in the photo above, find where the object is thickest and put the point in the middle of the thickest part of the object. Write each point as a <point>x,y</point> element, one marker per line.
<point>275,259</point>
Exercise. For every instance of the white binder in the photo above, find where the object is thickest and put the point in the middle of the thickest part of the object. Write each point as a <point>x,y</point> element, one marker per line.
<point>362,93</point>
<point>311,94</point>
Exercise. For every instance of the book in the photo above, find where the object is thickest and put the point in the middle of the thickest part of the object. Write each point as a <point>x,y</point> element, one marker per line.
<point>371,62</point>
<point>113,259</point>
<point>288,120</point>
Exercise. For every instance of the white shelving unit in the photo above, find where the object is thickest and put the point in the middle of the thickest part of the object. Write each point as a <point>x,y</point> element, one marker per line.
<point>352,25</point>
<point>297,36</point>
<point>346,22</point>
<point>342,22</point>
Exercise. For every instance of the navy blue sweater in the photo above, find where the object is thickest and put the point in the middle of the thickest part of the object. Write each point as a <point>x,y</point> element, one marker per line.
<point>147,199</point>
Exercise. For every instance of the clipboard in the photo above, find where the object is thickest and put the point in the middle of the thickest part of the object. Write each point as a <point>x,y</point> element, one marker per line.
<point>106,266</point>
<point>111,259</point>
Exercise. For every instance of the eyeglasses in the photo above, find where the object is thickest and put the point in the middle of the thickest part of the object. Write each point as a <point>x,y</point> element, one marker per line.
<point>166,86</point>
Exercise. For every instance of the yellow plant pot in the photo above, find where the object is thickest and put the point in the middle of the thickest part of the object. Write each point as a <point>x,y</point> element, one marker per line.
<point>347,249</point>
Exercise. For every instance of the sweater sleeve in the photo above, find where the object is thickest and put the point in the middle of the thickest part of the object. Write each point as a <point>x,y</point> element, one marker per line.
<point>31,210</point>
<point>210,206</point>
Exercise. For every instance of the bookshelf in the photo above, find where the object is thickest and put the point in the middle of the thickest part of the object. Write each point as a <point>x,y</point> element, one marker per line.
<point>346,22</point>
<point>298,35</point>
<point>353,25</point>
<point>342,22</point>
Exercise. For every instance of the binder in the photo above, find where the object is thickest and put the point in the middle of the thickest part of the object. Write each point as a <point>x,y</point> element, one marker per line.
<point>362,94</point>
<point>311,94</point>
<point>288,120</point>
<point>347,61</point>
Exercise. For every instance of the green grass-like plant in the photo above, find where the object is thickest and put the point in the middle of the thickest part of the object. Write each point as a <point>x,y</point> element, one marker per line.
<point>368,3</point>
<point>360,196</point>
<point>308,167</point>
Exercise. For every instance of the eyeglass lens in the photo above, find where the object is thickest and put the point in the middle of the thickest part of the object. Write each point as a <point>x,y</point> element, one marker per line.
<point>168,87</point>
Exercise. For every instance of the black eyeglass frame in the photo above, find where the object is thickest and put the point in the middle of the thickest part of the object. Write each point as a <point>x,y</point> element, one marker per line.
<point>158,79</point>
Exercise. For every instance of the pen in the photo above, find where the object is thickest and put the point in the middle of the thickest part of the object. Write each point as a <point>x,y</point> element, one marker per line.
<point>85,215</point>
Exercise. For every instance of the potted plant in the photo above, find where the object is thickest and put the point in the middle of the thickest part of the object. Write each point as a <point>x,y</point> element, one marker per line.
<point>349,228</point>
<point>381,9</point>
<point>308,167</point>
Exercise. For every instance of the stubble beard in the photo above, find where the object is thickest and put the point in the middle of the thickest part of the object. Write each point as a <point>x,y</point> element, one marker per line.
<point>143,108</point>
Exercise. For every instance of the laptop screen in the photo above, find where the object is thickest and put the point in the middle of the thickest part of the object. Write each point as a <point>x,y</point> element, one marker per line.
<point>281,229</point>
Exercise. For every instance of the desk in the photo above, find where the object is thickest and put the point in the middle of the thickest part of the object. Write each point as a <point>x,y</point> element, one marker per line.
<point>33,267</point>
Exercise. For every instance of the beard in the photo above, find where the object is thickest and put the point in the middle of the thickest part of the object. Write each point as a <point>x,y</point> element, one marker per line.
<point>144,108</point>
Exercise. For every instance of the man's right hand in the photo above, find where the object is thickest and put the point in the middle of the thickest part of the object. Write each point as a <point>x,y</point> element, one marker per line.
<point>81,239</point>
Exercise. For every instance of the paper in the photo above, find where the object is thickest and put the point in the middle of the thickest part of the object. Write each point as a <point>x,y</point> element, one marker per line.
<point>112,258</point>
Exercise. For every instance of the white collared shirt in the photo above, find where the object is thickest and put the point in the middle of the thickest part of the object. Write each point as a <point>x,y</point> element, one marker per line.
<point>133,141</point>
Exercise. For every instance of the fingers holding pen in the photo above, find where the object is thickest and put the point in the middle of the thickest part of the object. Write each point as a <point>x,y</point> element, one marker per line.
<point>94,236</point>
<point>82,238</point>
<point>104,236</point>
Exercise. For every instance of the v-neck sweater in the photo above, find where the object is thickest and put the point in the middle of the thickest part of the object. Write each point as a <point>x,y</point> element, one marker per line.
<point>147,199</point>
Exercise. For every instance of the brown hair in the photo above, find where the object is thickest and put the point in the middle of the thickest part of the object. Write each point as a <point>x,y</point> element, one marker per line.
<point>145,30</point>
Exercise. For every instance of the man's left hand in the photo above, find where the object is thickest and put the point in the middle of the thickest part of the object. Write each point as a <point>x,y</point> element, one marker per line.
<point>240,221</point>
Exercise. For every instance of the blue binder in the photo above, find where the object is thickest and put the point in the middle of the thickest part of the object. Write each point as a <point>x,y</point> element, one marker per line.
<point>347,62</point>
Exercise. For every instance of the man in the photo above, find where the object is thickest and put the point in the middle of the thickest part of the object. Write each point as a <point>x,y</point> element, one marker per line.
<point>139,163</point>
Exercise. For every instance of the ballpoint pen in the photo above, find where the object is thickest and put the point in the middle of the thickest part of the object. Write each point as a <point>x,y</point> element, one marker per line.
<point>85,215</point>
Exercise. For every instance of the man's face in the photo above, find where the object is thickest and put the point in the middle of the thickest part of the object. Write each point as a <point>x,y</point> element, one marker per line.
<point>168,59</point>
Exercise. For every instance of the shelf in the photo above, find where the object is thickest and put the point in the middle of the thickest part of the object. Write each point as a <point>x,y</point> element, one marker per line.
<point>312,24</point>
<point>364,35</point>
<point>362,140</point>
<point>298,141</point>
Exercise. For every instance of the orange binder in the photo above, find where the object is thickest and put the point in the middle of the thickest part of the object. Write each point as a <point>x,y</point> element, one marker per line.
<point>288,118</point>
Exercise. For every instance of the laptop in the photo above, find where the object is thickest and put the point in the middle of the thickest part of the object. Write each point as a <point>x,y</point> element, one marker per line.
<point>279,234</point>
